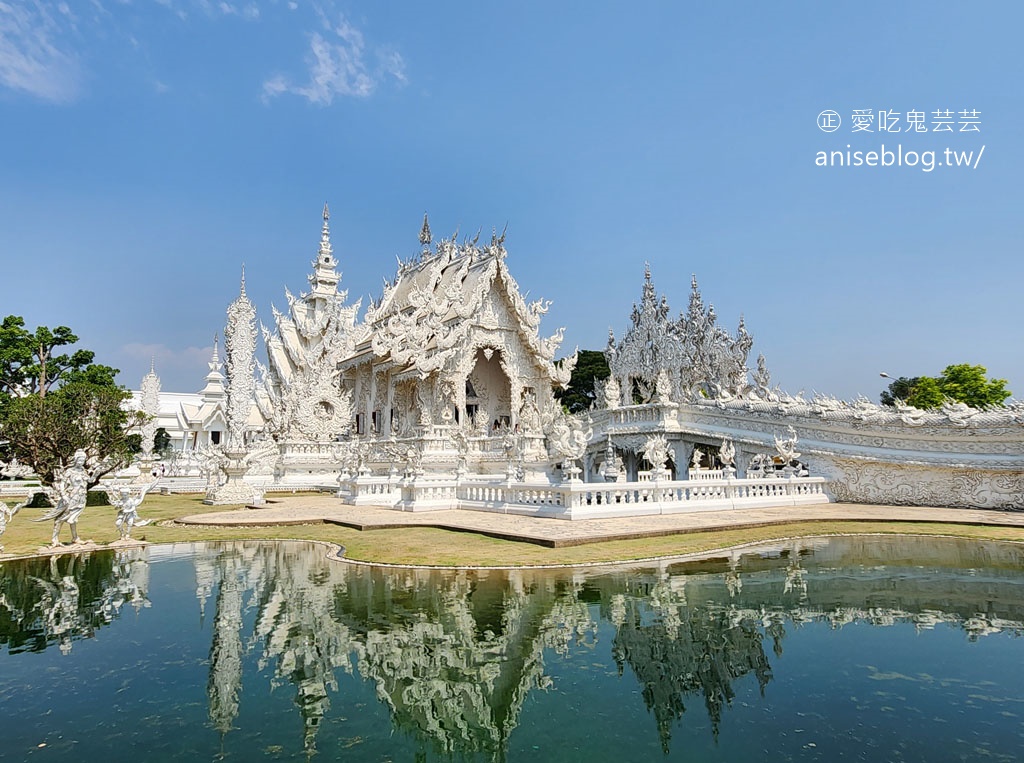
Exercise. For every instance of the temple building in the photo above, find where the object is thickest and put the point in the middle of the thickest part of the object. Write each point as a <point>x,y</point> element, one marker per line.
<point>192,420</point>
<point>440,395</point>
<point>439,370</point>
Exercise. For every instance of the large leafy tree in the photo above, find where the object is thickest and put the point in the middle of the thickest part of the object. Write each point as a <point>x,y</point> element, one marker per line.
<point>53,404</point>
<point>580,394</point>
<point>962,382</point>
<point>30,361</point>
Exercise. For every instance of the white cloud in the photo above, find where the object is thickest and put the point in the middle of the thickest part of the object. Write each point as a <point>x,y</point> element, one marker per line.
<point>338,66</point>
<point>33,58</point>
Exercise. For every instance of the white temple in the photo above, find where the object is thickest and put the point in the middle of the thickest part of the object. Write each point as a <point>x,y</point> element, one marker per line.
<point>192,420</point>
<point>441,396</point>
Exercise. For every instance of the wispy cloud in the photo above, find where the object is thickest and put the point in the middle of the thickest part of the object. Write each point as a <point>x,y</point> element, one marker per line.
<point>340,64</point>
<point>34,52</point>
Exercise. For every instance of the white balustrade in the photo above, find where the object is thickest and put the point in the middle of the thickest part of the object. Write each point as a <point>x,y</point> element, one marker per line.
<point>582,500</point>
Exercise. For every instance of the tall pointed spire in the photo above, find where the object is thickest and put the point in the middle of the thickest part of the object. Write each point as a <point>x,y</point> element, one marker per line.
<point>325,236</point>
<point>324,278</point>
<point>214,389</point>
<point>425,235</point>
<point>241,289</point>
<point>215,358</point>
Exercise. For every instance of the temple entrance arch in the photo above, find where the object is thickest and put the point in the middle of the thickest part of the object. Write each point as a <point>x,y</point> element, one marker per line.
<point>488,393</point>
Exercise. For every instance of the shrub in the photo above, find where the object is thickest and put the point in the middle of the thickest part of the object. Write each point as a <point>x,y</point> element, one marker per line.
<point>92,498</point>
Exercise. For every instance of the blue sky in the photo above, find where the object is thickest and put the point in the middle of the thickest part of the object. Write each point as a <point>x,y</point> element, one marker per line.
<point>150,147</point>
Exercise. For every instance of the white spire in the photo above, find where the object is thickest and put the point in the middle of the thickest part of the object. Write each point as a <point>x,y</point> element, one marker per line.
<point>214,389</point>
<point>324,278</point>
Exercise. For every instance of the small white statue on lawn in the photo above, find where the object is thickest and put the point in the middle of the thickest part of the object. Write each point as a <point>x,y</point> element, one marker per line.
<point>7,513</point>
<point>128,508</point>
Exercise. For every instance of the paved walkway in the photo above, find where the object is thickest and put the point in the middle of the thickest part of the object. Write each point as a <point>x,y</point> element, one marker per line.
<point>554,533</point>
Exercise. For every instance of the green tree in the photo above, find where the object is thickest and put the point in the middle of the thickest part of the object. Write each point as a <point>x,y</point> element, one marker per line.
<point>52,405</point>
<point>968,384</point>
<point>581,392</point>
<point>962,383</point>
<point>926,393</point>
<point>28,365</point>
<point>162,442</point>
<point>899,389</point>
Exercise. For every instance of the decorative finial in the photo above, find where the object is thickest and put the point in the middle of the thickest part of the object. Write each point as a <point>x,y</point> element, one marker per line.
<point>152,364</point>
<point>241,289</point>
<point>647,271</point>
<point>425,235</point>
<point>214,363</point>
<point>325,236</point>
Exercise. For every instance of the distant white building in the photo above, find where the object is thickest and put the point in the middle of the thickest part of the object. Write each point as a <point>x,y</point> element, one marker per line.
<point>193,420</point>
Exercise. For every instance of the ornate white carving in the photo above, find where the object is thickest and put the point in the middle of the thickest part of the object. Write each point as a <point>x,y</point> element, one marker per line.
<point>696,355</point>
<point>919,485</point>
<point>300,395</point>
<point>569,437</point>
<point>786,447</point>
<point>727,453</point>
<point>240,349</point>
<point>656,451</point>
<point>150,403</point>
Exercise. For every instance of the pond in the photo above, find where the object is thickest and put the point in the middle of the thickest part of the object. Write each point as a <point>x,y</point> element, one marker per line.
<point>863,648</point>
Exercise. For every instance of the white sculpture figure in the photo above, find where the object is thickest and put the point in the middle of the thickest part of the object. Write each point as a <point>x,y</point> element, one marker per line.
<point>70,489</point>
<point>662,388</point>
<point>763,381</point>
<point>14,470</point>
<point>786,448</point>
<point>611,393</point>
<point>529,414</point>
<point>7,513</point>
<point>656,452</point>
<point>128,508</point>
<point>695,461</point>
<point>612,466</point>
<point>727,455</point>
<point>569,441</point>
<point>727,452</point>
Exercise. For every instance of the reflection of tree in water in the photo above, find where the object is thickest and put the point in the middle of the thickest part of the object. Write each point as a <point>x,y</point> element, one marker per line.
<point>675,650</point>
<point>67,597</point>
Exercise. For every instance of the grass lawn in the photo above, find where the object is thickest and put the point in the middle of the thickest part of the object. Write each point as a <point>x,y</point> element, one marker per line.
<point>442,547</point>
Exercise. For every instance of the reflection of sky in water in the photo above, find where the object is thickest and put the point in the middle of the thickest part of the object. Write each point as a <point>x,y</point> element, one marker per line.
<point>846,649</point>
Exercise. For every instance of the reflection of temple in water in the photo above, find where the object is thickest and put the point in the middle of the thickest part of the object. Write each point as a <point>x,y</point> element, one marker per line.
<point>677,650</point>
<point>60,599</point>
<point>453,655</point>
